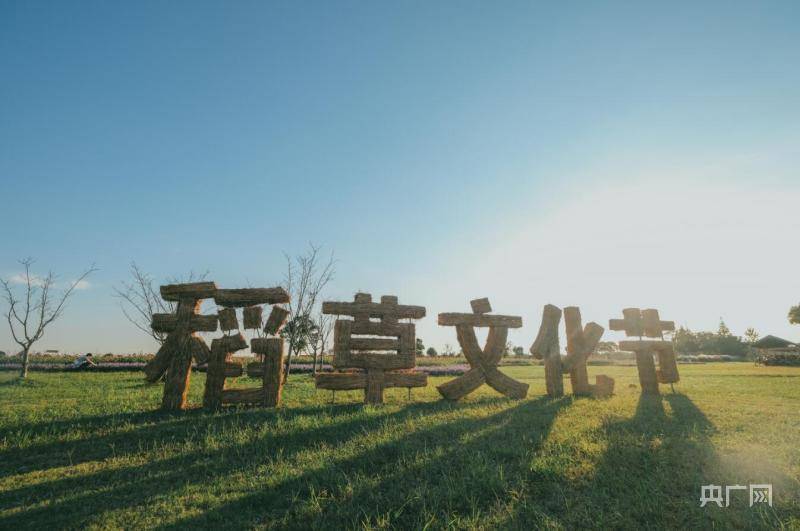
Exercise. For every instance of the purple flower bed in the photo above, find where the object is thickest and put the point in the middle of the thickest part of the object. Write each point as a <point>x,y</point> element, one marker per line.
<point>67,367</point>
<point>445,370</point>
<point>297,368</point>
<point>431,370</point>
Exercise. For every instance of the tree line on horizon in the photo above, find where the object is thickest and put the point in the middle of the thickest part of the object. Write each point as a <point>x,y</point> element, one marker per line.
<point>33,303</point>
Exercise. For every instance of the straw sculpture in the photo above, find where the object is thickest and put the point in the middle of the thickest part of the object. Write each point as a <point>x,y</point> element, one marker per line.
<point>384,361</point>
<point>483,361</point>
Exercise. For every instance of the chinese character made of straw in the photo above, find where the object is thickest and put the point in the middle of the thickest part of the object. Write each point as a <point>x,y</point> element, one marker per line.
<point>639,323</point>
<point>483,361</point>
<point>383,361</point>
<point>581,343</point>
<point>173,361</point>
<point>268,349</point>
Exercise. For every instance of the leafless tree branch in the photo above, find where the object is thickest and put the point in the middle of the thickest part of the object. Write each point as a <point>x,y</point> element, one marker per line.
<point>139,298</point>
<point>306,277</point>
<point>324,327</point>
<point>36,309</point>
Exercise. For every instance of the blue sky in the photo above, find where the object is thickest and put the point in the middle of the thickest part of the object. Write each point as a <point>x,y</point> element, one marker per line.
<point>598,154</point>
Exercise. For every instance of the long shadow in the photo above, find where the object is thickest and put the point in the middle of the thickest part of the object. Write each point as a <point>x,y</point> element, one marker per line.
<point>663,456</point>
<point>468,464</point>
<point>649,476</point>
<point>128,486</point>
<point>127,433</point>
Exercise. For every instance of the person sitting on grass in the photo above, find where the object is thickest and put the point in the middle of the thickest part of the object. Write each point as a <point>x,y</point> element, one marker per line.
<point>83,362</point>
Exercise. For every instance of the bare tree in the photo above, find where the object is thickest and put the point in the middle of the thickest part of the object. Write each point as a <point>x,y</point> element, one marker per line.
<point>140,298</point>
<point>319,343</point>
<point>36,307</point>
<point>306,276</point>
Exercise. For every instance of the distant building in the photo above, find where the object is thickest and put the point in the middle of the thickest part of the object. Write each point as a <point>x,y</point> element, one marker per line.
<point>773,342</point>
<point>51,351</point>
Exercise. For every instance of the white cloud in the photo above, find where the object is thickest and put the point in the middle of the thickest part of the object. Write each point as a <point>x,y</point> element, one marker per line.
<point>22,279</point>
<point>38,281</point>
<point>82,284</point>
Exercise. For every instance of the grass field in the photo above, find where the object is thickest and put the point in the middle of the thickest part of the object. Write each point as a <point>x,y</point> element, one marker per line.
<point>87,449</point>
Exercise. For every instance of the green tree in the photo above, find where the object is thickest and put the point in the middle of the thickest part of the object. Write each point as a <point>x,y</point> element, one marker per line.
<point>750,335</point>
<point>722,342</point>
<point>607,346</point>
<point>685,341</point>
<point>508,349</point>
<point>519,351</point>
<point>300,332</point>
<point>432,352</point>
<point>306,276</point>
<point>794,314</point>
<point>730,346</point>
<point>420,347</point>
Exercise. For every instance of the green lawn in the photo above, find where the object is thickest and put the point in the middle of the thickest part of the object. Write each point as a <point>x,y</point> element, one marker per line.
<point>87,449</point>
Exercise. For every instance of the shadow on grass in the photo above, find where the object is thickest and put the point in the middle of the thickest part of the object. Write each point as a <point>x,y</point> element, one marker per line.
<point>461,467</point>
<point>127,433</point>
<point>649,476</point>
<point>481,469</point>
<point>447,448</point>
<point>654,465</point>
<point>126,486</point>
